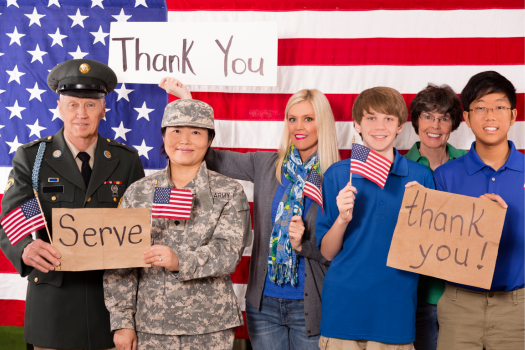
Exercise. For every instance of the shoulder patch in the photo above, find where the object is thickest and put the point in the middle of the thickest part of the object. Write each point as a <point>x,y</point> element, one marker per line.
<point>241,203</point>
<point>10,184</point>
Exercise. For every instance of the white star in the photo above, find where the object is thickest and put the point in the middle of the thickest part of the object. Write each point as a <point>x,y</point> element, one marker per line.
<point>1,54</point>
<point>37,54</point>
<point>56,114</point>
<point>2,91</point>
<point>121,17</point>
<point>57,38</point>
<point>15,37</point>
<point>78,19</point>
<point>143,149</point>
<point>34,17</point>
<point>35,129</point>
<point>78,54</point>
<point>121,131</point>
<point>107,110</point>
<point>144,111</point>
<point>16,110</point>
<point>1,126</point>
<point>53,2</point>
<point>123,92</point>
<point>36,92</point>
<point>99,36</point>
<point>12,2</point>
<point>140,2</point>
<point>14,145</point>
<point>96,3</point>
<point>14,74</point>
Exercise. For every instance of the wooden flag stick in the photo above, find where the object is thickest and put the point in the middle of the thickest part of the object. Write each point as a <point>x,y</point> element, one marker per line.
<point>151,214</point>
<point>350,182</point>
<point>45,221</point>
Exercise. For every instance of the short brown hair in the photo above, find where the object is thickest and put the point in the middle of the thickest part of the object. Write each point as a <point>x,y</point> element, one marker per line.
<point>382,100</point>
<point>441,99</point>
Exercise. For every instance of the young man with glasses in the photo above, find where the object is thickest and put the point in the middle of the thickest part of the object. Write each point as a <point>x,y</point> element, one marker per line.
<point>470,317</point>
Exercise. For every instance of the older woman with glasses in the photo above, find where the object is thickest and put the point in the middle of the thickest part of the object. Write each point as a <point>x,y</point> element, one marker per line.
<point>435,113</point>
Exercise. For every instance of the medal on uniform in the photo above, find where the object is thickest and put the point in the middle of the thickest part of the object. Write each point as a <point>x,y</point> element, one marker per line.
<point>114,190</point>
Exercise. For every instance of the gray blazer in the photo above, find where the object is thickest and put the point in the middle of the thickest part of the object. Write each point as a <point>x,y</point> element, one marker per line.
<point>259,168</point>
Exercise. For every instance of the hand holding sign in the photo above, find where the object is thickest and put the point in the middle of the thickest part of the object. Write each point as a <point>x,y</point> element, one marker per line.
<point>448,236</point>
<point>163,256</point>
<point>175,87</point>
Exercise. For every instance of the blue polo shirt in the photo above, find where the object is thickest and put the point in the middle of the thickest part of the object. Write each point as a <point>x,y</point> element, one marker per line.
<point>363,299</point>
<point>470,176</point>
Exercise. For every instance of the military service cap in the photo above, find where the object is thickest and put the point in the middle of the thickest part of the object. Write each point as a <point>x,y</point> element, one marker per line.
<point>82,78</point>
<point>188,113</point>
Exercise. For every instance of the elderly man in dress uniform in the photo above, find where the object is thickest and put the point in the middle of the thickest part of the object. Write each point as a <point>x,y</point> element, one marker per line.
<point>75,168</point>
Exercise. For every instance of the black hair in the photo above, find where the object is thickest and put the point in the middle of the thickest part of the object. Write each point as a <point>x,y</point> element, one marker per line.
<point>211,136</point>
<point>441,99</point>
<point>486,83</point>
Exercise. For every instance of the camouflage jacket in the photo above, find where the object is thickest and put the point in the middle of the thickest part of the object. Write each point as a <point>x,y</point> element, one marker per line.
<point>199,298</point>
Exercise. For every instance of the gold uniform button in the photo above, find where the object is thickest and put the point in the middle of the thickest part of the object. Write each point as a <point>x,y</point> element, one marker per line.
<point>36,279</point>
<point>109,140</point>
<point>53,198</point>
<point>89,199</point>
<point>49,137</point>
<point>114,199</point>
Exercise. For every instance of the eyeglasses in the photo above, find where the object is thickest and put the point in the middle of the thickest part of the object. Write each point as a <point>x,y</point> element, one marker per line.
<point>429,119</point>
<point>498,111</point>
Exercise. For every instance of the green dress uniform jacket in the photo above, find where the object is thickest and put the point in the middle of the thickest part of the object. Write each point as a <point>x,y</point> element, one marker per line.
<point>66,309</point>
<point>199,298</point>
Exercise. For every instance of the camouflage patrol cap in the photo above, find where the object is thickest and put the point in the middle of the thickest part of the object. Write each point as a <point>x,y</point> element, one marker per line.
<point>188,113</point>
<point>82,78</point>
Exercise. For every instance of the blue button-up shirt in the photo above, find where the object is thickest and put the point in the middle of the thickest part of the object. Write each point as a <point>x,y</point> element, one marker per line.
<point>470,176</point>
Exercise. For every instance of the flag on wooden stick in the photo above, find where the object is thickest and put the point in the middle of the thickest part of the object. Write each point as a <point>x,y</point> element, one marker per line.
<point>172,203</point>
<point>369,164</point>
<point>23,220</point>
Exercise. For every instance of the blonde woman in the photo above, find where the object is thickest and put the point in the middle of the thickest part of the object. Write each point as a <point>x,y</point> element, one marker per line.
<point>283,299</point>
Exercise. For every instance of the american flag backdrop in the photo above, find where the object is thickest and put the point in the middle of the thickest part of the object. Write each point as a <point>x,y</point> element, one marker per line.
<point>339,47</point>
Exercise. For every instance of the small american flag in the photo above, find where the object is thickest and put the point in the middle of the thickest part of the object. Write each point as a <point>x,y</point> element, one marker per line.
<point>312,187</point>
<point>23,220</point>
<point>171,203</point>
<point>369,164</point>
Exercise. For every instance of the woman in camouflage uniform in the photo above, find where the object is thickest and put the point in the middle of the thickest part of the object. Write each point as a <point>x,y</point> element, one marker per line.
<point>283,298</point>
<point>185,300</point>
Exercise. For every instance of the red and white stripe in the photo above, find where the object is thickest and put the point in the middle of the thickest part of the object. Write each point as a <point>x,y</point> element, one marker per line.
<point>313,192</point>
<point>342,48</point>
<point>179,206</point>
<point>17,226</point>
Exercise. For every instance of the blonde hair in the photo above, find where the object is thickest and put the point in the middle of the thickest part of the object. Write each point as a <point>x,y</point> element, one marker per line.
<point>327,150</point>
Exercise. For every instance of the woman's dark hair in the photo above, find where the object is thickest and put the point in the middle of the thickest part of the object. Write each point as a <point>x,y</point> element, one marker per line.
<point>441,99</point>
<point>486,83</point>
<point>211,136</point>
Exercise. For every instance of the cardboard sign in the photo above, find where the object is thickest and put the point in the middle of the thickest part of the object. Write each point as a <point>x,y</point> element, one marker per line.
<point>448,236</point>
<point>197,53</point>
<point>97,239</point>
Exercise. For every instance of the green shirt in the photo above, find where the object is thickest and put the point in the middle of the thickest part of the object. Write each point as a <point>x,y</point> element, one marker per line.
<point>430,289</point>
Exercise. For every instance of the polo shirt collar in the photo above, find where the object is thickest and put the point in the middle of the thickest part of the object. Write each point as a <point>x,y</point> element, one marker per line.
<point>400,166</point>
<point>473,162</point>
<point>414,154</point>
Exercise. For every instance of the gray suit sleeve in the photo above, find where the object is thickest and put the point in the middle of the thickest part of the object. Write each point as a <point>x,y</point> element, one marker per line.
<point>236,165</point>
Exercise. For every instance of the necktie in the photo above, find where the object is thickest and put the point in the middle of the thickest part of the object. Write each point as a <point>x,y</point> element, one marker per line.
<point>86,169</point>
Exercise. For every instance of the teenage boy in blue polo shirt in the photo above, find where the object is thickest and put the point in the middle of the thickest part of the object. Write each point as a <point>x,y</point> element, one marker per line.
<point>470,317</point>
<point>366,304</point>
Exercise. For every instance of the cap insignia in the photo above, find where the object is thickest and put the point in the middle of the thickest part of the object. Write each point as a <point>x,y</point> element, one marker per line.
<point>84,68</point>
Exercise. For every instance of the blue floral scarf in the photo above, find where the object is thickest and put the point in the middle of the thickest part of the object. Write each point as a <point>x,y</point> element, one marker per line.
<point>282,260</point>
